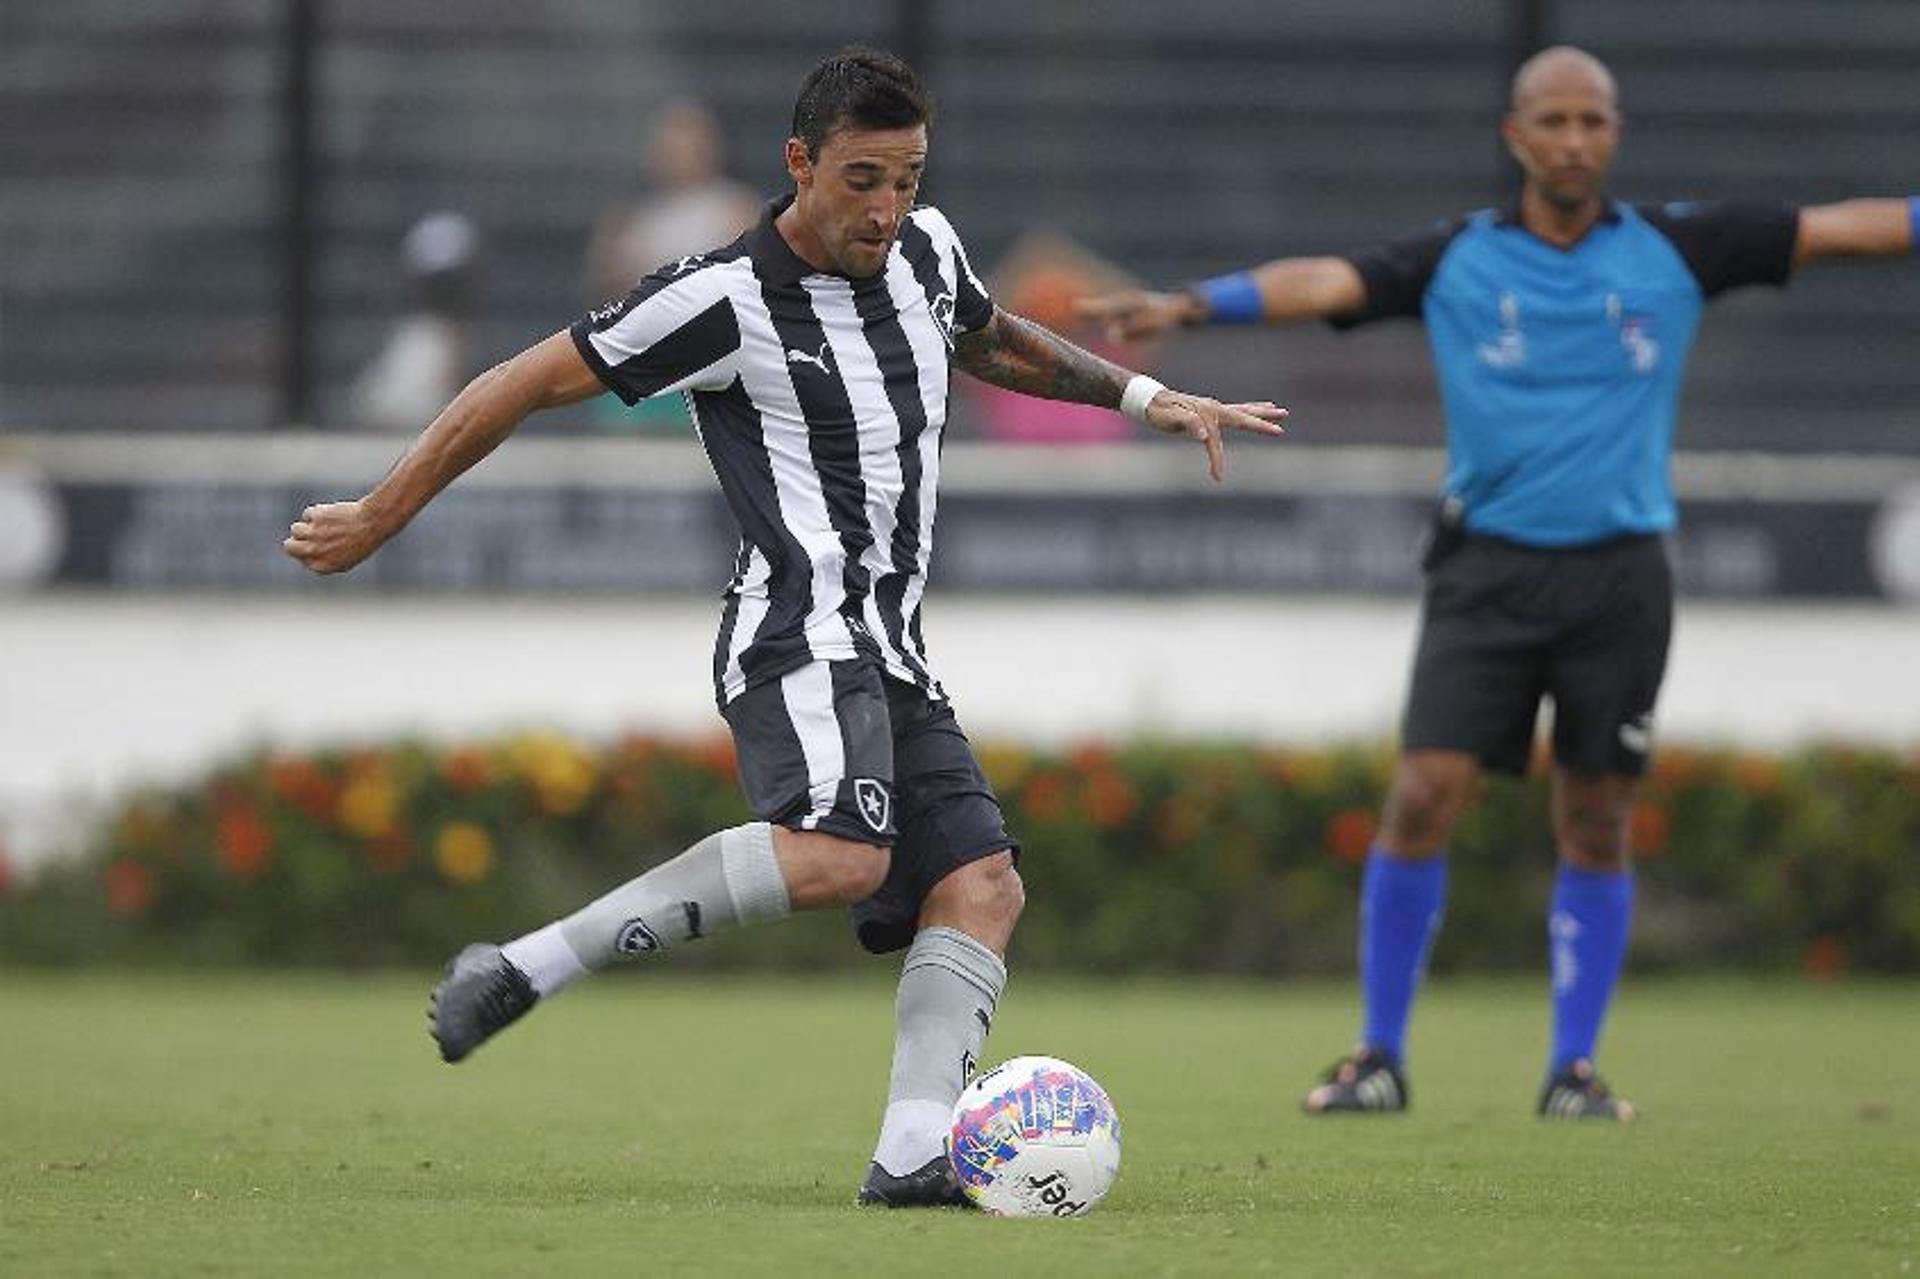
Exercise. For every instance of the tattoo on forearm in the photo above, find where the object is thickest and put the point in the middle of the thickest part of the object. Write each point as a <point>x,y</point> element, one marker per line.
<point>1023,356</point>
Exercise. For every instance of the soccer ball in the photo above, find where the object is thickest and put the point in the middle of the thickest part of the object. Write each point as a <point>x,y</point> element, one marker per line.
<point>1035,1137</point>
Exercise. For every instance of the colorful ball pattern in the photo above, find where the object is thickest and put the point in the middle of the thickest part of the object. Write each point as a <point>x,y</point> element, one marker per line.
<point>1035,1137</point>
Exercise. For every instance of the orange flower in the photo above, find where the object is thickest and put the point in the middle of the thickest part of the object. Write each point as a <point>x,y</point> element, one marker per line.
<point>1090,757</point>
<point>243,841</point>
<point>1350,834</point>
<point>1826,959</point>
<point>390,852</point>
<point>637,749</point>
<point>1757,774</point>
<point>1110,798</point>
<point>463,852</point>
<point>129,886</point>
<point>715,754</point>
<point>1178,823</point>
<point>467,769</point>
<point>1647,830</point>
<point>1676,767</point>
<point>303,784</point>
<point>1045,797</point>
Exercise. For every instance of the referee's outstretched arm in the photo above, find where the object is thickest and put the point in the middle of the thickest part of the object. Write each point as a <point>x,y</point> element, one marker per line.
<point>1857,229</point>
<point>334,536</point>
<point>1280,292</point>
<point>1310,288</point>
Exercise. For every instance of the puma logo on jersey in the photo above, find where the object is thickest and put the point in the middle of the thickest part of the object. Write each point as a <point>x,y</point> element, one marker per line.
<point>818,361</point>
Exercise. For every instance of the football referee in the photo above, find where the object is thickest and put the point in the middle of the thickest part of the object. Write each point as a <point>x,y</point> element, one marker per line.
<point>814,353</point>
<point>1560,327</point>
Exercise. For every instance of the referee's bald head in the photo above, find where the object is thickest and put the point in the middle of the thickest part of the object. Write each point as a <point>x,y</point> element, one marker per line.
<point>1558,70</point>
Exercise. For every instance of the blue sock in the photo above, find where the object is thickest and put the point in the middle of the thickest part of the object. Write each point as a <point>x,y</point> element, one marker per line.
<point>1401,902</point>
<point>1587,930</point>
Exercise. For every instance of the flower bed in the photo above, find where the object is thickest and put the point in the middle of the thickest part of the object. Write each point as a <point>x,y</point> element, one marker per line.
<point>1142,856</point>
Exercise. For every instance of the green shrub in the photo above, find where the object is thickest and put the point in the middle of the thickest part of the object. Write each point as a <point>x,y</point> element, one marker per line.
<point>1144,856</point>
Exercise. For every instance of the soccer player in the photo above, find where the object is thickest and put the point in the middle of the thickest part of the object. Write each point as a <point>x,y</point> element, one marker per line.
<point>1560,327</point>
<point>815,353</point>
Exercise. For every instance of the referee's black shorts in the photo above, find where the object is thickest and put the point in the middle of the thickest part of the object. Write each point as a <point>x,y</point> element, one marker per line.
<point>843,748</point>
<point>1504,625</point>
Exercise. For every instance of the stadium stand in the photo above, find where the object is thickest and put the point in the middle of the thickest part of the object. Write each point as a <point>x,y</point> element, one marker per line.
<point>140,235</point>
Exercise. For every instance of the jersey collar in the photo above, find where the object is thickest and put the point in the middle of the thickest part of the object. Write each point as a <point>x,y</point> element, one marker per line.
<point>1508,214</point>
<point>773,258</point>
<point>1507,217</point>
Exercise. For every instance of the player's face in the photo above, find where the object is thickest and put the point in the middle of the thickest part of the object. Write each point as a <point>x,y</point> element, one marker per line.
<point>1564,137</point>
<point>855,193</point>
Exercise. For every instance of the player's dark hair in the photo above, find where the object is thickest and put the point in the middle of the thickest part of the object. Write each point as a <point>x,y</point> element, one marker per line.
<point>861,88</point>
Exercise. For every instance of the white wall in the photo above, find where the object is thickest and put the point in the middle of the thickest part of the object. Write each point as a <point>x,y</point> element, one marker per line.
<point>99,691</point>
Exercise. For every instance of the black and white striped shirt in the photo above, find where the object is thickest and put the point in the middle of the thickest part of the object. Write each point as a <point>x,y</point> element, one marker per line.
<point>820,400</point>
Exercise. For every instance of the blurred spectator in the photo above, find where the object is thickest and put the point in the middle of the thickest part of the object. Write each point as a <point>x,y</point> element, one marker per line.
<point>425,359</point>
<point>691,205</point>
<point>1042,277</point>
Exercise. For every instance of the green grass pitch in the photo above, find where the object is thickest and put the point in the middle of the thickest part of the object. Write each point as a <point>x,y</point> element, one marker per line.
<point>659,1124</point>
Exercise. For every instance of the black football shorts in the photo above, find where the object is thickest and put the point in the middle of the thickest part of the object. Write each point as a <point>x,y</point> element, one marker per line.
<point>1505,625</point>
<point>842,747</point>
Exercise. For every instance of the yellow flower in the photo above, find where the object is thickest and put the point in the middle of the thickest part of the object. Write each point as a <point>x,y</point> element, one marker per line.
<point>463,852</point>
<point>561,774</point>
<point>368,804</point>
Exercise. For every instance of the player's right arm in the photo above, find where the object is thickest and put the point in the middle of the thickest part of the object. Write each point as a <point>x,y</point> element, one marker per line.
<point>335,536</point>
<point>1283,291</point>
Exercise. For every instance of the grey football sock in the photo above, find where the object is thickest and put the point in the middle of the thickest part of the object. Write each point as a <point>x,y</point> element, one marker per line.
<point>950,985</point>
<point>726,879</point>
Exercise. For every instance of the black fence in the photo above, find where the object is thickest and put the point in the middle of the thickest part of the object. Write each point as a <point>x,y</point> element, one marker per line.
<point>203,198</point>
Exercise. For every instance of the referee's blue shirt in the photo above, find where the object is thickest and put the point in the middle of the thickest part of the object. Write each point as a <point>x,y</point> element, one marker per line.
<point>1560,369</point>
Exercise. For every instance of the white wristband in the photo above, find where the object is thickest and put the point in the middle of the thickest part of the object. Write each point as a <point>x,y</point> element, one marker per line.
<point>1139,394</point>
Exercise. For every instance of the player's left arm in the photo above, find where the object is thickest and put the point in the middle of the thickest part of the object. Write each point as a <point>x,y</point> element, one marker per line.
<point>1012,352</point>
<point>1857,229</point>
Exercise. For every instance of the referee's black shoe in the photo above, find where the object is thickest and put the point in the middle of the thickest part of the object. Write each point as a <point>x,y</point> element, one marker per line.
<point>1578,1093</point>
<point>481,995</point>
<point>932,1185</point>
<point>1366,1083</point>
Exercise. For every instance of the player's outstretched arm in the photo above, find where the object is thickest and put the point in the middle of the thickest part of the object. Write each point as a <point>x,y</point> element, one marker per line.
<point>335,536</point>
<point>1280,292</point>
<point>1018,354</point>
<point>1857,229</point>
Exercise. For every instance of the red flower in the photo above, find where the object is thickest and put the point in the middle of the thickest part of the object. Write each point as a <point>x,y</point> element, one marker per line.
<point>1091,757</point>
<point>303,784</point>
<point>244,843</point>
<point>1647,830</point>
<point>1350,834</point>
<point>129,886</point>
<point>1110,799</point>
<point>715,754</point>
<point>1757,774</point>
<point>390,852</point>
<point>1826,959</point>
<point>1045,796</point>
<point>467,769</point>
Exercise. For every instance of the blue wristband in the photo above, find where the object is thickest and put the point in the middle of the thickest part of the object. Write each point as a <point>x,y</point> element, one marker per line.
<point>1232,299</point>
<point>1913,215</point>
